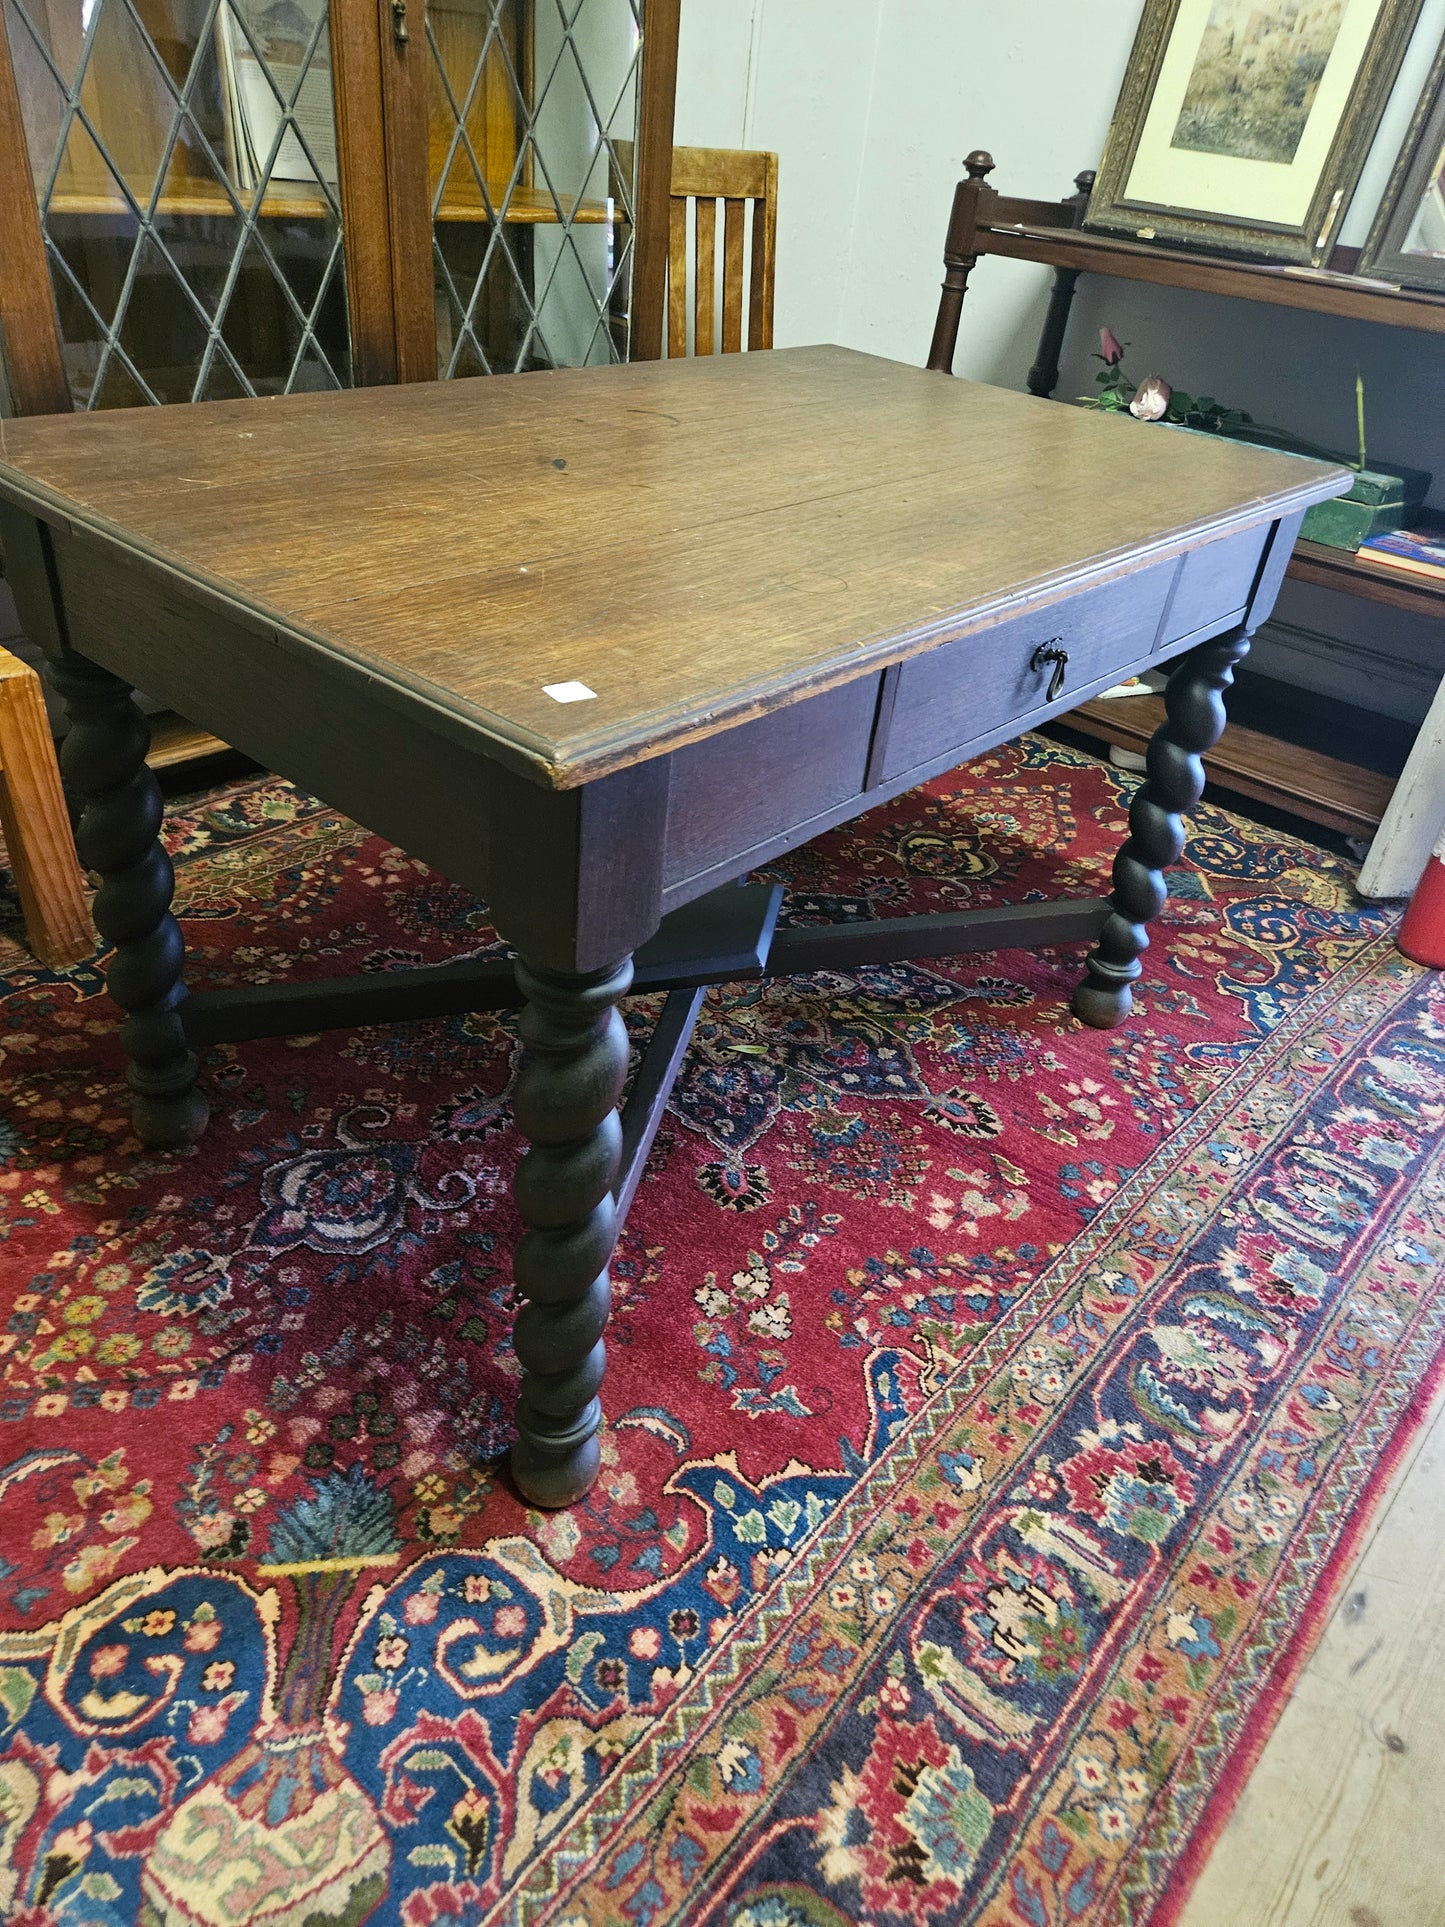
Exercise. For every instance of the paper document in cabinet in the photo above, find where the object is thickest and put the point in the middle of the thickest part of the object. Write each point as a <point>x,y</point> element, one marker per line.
<point>259,91</point>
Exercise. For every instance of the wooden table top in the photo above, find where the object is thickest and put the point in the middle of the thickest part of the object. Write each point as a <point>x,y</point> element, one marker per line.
<point>694,541</point>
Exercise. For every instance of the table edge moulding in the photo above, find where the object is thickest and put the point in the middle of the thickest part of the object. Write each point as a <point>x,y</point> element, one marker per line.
<point>799,584</point>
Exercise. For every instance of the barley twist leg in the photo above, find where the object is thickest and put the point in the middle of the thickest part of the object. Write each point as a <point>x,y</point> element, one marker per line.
<point>103,760</point>
<point>566,1106</point>
<point>1194,721</point>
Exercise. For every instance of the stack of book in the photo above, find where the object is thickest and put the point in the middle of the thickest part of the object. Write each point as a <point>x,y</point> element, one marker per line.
<point>1416,553</point>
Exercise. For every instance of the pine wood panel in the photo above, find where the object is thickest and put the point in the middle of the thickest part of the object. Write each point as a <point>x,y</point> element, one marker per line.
<point>727,173</point>
<point>175,741</point>
<point>732,319</point>
<point>1340,1824</point>
<point>695,541</point>
<point>676,279</point>
<point>705,260</point>
<point>36,826</point>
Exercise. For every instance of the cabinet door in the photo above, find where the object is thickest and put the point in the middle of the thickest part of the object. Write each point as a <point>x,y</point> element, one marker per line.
<point>533,162</point>
<point>184,157</point>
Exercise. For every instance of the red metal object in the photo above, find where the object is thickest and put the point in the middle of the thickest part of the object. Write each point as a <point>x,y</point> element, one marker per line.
<point>1422,934</point>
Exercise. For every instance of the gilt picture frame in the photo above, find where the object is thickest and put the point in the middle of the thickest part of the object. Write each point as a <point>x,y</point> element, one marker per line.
<point>1406,243</point>
<point>1242,125</point>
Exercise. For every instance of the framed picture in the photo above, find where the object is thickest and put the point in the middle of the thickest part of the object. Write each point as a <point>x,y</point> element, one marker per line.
<point>1407,242</point>
<point>1242,125</point>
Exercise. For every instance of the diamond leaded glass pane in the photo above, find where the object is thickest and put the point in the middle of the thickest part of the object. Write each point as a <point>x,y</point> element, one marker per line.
<point>533,116</point>
<point>184,158</point>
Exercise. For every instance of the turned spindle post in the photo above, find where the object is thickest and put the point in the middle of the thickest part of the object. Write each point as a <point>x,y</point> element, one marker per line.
<point>565,1104</point>
<point>1174,782</point>
<point>103,761</point>
<point>972,199</point>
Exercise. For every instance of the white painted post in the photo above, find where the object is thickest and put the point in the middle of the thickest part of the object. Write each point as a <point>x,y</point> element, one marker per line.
<point>1415,817</point>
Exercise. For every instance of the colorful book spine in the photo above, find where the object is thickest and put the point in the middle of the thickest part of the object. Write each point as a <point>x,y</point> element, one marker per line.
<point>1411,551</point>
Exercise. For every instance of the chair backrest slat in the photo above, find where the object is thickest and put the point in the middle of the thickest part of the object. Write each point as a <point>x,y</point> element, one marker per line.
<point>677,279</point>
<point>705,259</point>
<point>747,185</point>
<point>732,318</point>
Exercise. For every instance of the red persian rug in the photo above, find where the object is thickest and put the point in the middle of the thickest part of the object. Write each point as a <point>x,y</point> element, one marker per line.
<point>991,1408</point>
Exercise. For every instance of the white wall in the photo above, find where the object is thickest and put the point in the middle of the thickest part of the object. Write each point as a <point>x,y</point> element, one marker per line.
<point>871,104</point>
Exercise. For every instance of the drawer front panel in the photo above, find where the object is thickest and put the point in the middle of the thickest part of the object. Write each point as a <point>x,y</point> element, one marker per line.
<point>751,785</point>
<point>984,681</point>
<point>1214,583</point>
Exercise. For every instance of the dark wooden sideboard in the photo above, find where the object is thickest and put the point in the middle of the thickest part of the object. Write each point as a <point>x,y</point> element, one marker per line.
<point>1323,788</point>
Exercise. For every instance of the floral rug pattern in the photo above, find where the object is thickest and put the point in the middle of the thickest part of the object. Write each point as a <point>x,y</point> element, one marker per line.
<point>991,1405</point>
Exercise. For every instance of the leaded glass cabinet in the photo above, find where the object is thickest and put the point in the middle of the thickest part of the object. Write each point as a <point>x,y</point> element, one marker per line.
<point>232,197</point>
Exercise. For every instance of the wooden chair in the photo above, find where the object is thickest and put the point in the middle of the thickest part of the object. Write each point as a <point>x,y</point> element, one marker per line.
<point>701,177</point>
<point>36,824</point>
<point>978,211</point>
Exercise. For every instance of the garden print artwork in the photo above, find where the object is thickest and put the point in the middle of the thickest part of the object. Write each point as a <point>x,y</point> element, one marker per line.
<point>1255,77</point>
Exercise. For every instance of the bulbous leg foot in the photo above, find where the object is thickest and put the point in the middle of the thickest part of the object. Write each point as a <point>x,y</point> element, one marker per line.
<point>1174,781</point>
<point>572,1074</point>
<point>103,760</point>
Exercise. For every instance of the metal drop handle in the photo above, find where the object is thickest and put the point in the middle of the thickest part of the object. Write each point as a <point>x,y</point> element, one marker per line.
<point>1051,652</point>
<point>398,22</point>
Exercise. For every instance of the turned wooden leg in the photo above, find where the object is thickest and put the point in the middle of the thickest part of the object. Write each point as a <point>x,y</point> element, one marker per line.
<point>103,760</point>
<point>1194,721</point>
<point>1043,377</point>
<point>573,1068</point>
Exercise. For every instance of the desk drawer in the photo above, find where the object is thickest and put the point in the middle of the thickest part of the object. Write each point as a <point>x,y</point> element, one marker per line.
<point>1215,583</point>
<point>983,682</point>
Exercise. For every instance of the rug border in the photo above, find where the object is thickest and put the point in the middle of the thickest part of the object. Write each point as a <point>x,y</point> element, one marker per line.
<point>1270,1705</point>
<point>1376,956</point>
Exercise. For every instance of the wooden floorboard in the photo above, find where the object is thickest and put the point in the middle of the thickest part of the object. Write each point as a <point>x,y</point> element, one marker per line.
<point>1322,789</point>
<point>175,741</point>
<point>1342,1822</point>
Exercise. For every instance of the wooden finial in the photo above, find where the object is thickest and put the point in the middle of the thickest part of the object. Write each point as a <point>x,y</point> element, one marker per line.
<point>979,163</point>
<point>1085,182</point>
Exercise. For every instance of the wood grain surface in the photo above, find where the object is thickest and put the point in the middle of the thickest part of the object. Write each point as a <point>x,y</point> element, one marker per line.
<point>35,823</point>
<point>1340,1823</point>
<point>696,542</point>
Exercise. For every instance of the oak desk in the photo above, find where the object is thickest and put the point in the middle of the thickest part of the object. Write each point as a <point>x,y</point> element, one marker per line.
<point>789,585</point>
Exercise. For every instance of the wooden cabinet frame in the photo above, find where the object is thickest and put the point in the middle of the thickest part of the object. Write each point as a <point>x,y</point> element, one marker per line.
<point>380,83</point>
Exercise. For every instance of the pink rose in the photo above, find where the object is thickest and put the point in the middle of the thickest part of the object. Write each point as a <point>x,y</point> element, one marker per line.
<point>1109,346</point>
<point>1151,399</point>
<point>510,1622</point>
<point>420,1609</point>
